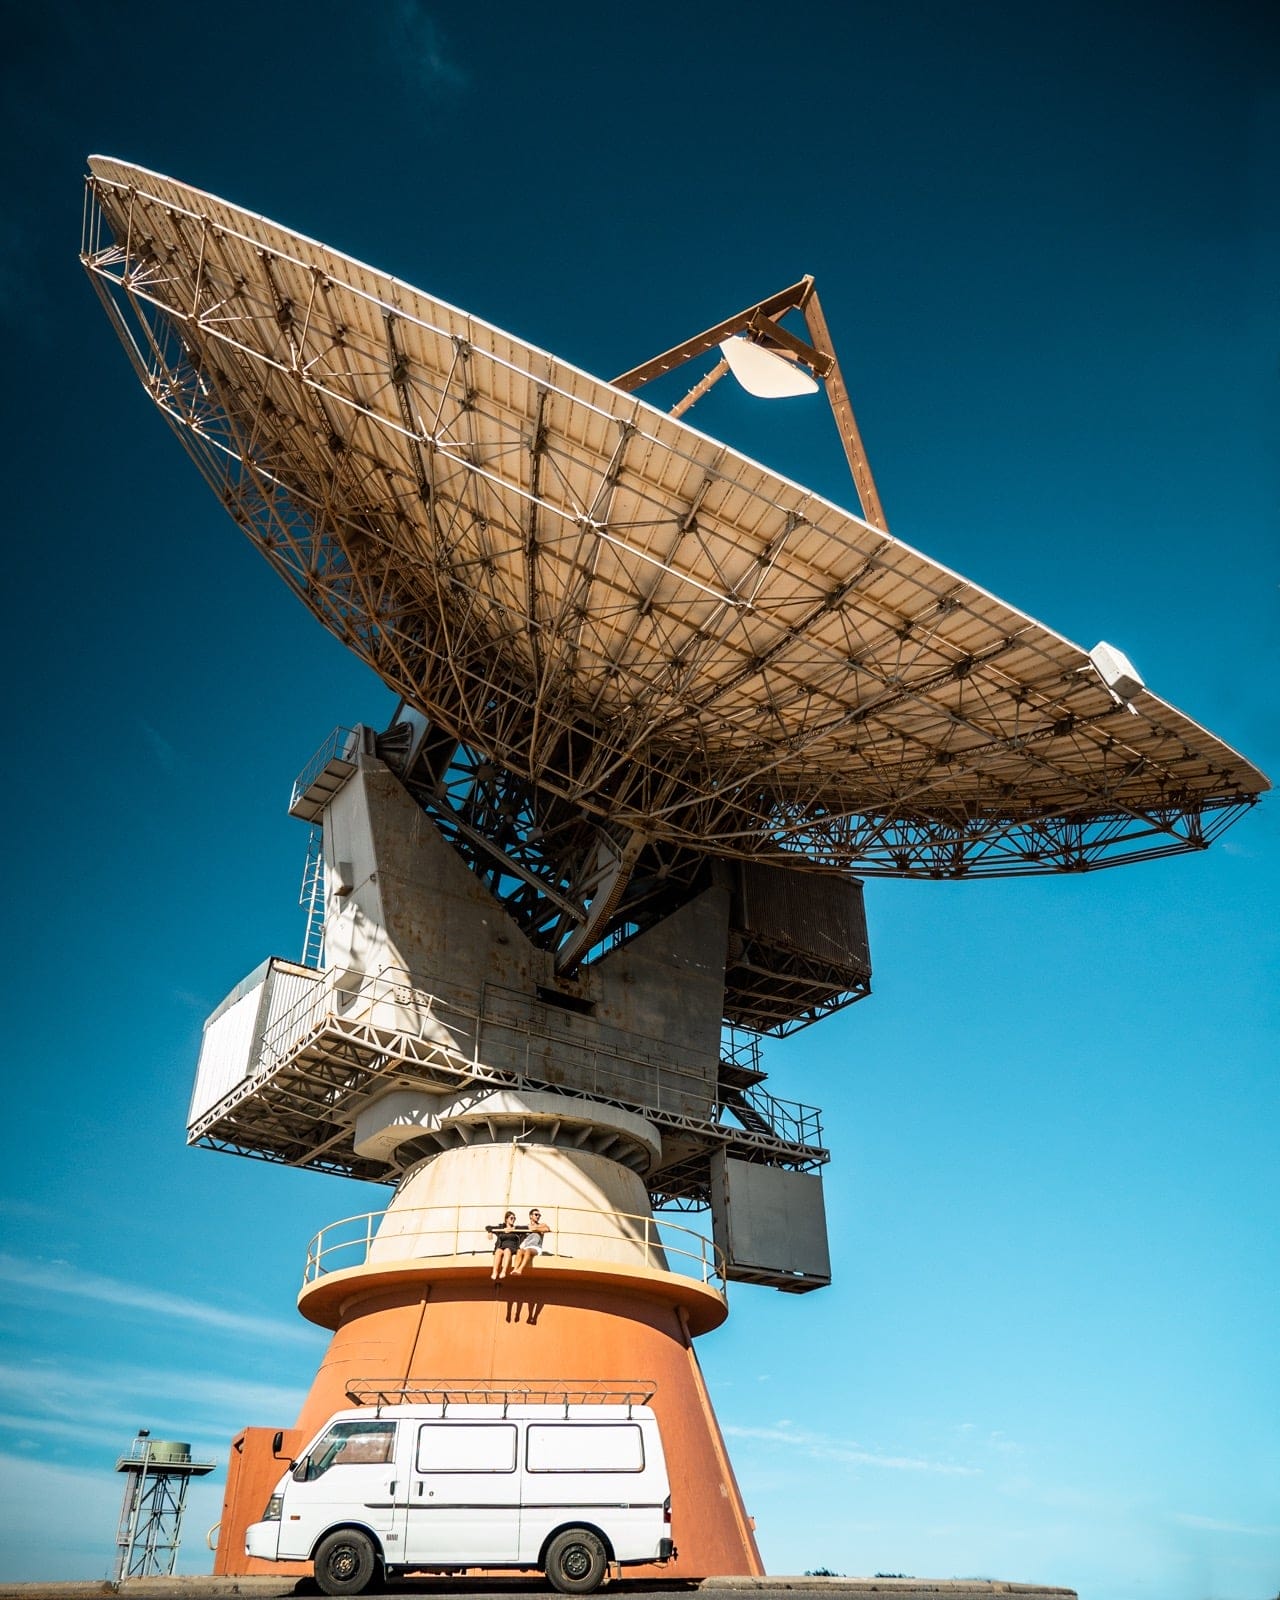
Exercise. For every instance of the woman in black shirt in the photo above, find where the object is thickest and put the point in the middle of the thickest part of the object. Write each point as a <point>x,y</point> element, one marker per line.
<point>506,1239</point>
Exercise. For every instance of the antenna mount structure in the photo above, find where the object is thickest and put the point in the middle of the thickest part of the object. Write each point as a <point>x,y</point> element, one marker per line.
<point>760,325</point>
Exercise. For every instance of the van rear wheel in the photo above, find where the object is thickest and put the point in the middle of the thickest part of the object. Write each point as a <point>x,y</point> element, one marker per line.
<point>346,1562</point>
<point>576,1561</point>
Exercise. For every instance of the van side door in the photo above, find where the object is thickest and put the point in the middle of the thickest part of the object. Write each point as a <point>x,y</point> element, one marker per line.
<point>464,1494</point>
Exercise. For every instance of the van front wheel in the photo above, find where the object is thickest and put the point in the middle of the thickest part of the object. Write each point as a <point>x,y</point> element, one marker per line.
<point>576,1561</point>
<point>345,1562</point>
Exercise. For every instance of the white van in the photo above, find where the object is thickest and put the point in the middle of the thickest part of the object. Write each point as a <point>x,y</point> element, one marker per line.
<point>567,1488</point>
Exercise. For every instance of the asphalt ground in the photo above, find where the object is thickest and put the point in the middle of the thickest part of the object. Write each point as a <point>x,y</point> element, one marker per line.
<point>803,1588</point>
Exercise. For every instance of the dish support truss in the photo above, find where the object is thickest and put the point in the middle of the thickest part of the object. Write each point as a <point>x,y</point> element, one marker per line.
<point>621,667</point>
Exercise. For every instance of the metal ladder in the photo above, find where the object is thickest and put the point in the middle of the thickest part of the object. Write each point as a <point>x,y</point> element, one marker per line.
<point>311,899</point>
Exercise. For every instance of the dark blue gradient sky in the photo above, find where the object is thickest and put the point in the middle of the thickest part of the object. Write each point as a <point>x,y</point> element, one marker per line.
<point>1045,239</point>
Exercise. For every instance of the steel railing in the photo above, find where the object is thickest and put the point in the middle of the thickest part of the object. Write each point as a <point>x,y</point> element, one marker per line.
<point>343,744</point>
<point>389,1000</point>
<point>579,1233</point>
<point>789,1120</point>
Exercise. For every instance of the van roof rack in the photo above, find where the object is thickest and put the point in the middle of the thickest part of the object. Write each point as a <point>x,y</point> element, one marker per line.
<point>486,1391</point>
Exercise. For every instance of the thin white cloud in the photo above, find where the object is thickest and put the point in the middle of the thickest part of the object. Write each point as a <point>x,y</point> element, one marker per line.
<point>201,1004</point>
<point>67,1477</point>
<point>99,1409</point>
<point>37,1437</point>
<point>822,1448</point>
<point>60,1278</point>
<point>160,746</point>
<point>60,1520</point>
<point>1188,1519</point>
<point>419,48</point>
<point>88,1432</point>
<point>52,1391</point>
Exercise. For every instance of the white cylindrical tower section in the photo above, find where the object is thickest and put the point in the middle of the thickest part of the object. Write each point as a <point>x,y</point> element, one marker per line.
<point>578,1162</point>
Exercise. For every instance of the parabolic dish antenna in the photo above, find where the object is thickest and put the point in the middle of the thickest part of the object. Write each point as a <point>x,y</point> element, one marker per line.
<point>641,677</point>
<point>605,623</point>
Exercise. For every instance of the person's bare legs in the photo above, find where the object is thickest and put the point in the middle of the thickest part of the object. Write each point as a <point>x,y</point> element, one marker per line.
<point>523,1258</point>
<point>501,1263</point>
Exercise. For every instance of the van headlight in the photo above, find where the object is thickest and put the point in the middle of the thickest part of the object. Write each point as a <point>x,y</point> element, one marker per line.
<point>272,1513</point>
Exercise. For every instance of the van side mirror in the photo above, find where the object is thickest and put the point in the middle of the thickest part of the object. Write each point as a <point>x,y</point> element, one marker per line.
<point>277,1441</point>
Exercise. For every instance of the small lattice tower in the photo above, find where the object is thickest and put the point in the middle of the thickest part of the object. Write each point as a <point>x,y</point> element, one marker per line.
<point>157,1473</point>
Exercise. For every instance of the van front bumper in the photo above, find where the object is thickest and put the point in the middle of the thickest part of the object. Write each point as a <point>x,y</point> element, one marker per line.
<point>262,1539</point>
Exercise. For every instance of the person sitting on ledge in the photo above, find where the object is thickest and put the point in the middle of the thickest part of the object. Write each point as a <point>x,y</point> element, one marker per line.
<point>506,1240</point>
<point>531,1244</point>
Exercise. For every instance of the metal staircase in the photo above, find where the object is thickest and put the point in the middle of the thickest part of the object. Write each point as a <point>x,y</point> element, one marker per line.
<point>752,1119</point>
<point>740,1072</point>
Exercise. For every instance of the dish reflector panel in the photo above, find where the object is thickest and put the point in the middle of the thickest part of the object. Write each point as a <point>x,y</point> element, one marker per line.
<point>621,622</point>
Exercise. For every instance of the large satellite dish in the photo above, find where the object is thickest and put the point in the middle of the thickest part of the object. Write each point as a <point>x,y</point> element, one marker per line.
<point>606,626</point>
<point>667,707</point>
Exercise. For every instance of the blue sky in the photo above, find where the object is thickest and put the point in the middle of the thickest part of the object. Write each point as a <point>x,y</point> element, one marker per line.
<point>1045,241</point>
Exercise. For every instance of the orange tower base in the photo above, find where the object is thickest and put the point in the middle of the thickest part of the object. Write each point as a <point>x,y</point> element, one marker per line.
<point>448,1322</point>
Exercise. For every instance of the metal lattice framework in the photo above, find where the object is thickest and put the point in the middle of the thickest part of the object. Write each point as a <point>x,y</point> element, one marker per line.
<point>149,1533</point>
<point>641,641</point>
<point>322,1063</point>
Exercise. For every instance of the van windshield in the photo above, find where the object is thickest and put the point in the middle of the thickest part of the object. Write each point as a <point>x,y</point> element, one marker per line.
<point>348,1444</point>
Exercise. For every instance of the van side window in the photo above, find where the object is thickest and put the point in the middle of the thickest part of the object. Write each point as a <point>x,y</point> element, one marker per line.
<point>348,1444</point>
<point>467,1447</point>
<point>578,1447</point>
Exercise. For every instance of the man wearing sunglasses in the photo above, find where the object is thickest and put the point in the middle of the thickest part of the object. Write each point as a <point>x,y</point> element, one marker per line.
<point>531,1244</point>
